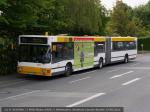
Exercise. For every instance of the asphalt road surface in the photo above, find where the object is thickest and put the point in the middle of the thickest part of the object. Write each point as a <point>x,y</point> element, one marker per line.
<point>119,85</point>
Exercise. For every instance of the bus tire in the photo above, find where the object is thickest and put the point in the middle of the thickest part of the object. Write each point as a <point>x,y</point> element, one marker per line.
<point>100,65</point>
<point>126,59</point>
<point>68,70</point>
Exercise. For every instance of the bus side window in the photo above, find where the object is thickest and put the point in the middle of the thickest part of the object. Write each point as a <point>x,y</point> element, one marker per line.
<point>68,51</point>
<point>118,46</point>
<point>57,52</point>
<point>99,48</point>
<point>62,51</point>
<point>130,45</point>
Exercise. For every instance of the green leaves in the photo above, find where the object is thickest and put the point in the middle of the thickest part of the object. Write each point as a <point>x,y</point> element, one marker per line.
<point>76,17</point>
<point>84,16</point>
<point>127,21</point>
<point>123,22</point>
<point>143,14</point>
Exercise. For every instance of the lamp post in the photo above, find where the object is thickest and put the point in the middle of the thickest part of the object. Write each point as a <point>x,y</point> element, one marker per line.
<point>0,13</point>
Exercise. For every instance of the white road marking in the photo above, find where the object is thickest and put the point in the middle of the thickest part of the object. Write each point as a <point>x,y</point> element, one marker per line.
<point>116,76</point>
<point>112,70</point>
<point>85,100</point>
<point>11,97</point>
<point>134,80</point>
<point>135,68</point>
<point>79,80</point>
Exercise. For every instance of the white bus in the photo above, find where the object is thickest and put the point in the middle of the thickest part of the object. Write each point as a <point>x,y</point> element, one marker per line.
<point>52,55</point>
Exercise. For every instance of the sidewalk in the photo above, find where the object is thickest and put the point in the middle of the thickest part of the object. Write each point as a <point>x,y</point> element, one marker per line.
<point>143,52</point>
<point>9,77</point>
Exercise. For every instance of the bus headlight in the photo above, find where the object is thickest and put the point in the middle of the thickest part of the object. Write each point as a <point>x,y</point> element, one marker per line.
<point>46,71</point>
<point>19,69</point>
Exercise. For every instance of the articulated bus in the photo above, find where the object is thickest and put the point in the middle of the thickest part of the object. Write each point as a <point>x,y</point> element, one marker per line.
<point>53,55</point>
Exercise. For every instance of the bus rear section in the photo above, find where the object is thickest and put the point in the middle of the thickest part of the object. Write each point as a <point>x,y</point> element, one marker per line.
<point>121,49</point>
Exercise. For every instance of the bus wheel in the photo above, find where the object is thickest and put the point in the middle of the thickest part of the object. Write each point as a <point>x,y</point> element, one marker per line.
<point>100,65</point>
<point>126,59</point>
<point>68,70</point>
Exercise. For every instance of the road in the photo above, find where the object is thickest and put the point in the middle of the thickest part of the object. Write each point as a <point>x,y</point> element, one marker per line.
<point>119,85</point>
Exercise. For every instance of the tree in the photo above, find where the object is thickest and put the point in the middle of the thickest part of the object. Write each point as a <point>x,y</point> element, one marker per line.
<point>75,17</point>
<point>20,15</point>
<point>143,14</point>
<point>84,17</point>
<point>123,22</point>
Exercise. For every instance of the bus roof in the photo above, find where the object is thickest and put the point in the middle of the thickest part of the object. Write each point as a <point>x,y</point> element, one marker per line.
<point>81,38</point>
<point>124,39</point>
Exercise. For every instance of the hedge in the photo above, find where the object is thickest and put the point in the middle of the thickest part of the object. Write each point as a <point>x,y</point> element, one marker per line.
<point>146,43</point>
<point>8,57</point>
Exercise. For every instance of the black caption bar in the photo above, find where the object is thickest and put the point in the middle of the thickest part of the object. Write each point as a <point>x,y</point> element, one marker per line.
<point>62,109</point>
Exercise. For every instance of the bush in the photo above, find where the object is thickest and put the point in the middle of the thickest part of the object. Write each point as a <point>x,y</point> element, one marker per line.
<point>8,57</point>
<point>146,42</point>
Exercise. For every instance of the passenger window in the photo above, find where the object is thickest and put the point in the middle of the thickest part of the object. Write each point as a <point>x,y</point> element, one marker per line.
<point>130,45</point>
<point>118,46</point>
<point>62,51</point>
<point>99,48</point>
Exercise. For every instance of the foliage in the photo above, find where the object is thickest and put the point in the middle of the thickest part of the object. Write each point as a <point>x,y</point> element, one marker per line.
<point>143,14</point>
<point>76,17</point>
<point>85,17</point>
<point>8,56</point>
<point>123,22</point>
<point>145,42</point>
<point>73,17</point>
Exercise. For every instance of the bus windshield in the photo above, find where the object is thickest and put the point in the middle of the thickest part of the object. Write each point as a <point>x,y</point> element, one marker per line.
<point>34,53</point>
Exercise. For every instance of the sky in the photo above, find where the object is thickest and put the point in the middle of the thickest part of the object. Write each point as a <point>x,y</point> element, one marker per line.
<point>133,3</point>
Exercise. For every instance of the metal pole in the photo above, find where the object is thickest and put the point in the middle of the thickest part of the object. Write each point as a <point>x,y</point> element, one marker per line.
<point>142,46</point>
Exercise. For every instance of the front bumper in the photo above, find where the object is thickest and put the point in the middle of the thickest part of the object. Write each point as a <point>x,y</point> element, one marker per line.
<point>34,71</point>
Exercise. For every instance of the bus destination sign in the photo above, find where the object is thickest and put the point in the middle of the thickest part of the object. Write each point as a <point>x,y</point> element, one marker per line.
<point>33,40</point>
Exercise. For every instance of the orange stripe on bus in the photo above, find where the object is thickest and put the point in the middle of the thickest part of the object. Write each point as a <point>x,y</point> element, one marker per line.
<point>124,39</point>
